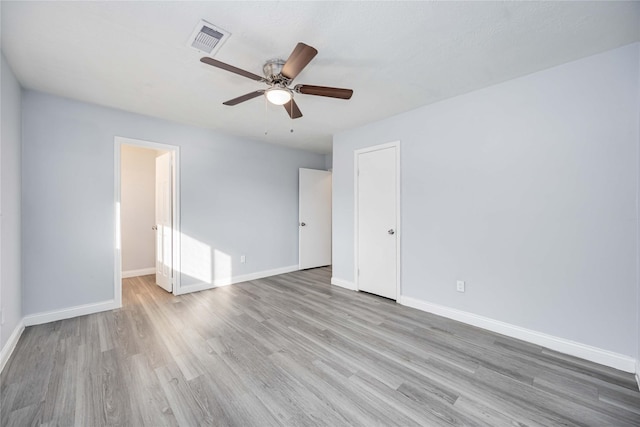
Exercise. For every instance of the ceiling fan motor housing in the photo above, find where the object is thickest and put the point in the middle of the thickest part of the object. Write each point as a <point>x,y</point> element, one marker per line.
<point>272,70</point>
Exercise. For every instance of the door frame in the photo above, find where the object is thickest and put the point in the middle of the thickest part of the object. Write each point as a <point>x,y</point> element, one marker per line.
<point>119,141</point>
<point>356,221</point>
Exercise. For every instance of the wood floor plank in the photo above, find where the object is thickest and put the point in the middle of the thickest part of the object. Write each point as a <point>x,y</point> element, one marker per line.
<point>422,408</point>
<point>151,407</point>
<point>186,408</point>
<point>292,350</point>
<point>489,415</point>
<point>378,408</point>
<point>7,396</point>
<point>60,399</point>
<point>25,416</point>
<point>324,388</point>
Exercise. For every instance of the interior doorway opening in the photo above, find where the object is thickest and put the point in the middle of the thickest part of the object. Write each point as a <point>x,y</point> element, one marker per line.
<point>146,213</point>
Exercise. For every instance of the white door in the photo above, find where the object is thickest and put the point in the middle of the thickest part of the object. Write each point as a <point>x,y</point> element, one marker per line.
<point>376,228</point>
<point>164,222</point>
<point>314,218</point>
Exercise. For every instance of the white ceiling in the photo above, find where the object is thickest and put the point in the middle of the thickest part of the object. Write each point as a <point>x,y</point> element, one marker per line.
<point>396,56</point>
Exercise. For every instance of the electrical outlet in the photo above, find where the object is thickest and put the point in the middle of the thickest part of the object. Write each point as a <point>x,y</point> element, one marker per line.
<point>243,259</point>
<point>460,286</point>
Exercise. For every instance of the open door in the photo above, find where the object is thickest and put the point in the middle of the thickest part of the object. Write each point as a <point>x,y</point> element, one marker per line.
<point>164,222</point>
<point>314,218</point>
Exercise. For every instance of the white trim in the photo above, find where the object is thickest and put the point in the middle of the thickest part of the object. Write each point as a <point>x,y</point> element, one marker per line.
<point>10,345</point>
<point>583,351</point>
<point>175,150</point>
<point>117,196</point>
<point>638,373</point>
<point>398,228</point>
<point>237,279</point>
<point>68,313</point>
<point>344,284</point>
<point>140,272</point>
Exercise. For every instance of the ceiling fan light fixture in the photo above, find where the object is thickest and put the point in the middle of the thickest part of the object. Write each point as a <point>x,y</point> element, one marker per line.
<point>278,95</point>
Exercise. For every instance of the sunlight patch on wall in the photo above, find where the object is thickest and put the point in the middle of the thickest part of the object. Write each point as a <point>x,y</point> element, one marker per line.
<point>196,259</point>
<point>221,268</point>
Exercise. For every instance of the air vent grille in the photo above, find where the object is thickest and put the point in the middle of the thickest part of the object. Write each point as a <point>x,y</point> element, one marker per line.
<point>208,38</point>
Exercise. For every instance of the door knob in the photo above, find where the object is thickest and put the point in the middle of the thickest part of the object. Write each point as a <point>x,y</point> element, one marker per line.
<point>302,224</point>
<point>391,231</point>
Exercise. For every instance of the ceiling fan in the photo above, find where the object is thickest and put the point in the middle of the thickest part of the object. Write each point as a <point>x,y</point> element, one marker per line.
<point>279,74</point>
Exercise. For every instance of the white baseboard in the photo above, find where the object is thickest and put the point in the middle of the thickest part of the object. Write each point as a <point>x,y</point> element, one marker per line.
<point>140,272</point>
<point>226,281</point>
<point>67,313</point>
<point>10,345</point>
<point>343,283</point>
<point>638,373</point>
<point>583,351</point>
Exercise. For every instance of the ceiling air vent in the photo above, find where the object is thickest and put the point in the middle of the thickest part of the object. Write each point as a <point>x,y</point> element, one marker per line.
<point>208,38</point>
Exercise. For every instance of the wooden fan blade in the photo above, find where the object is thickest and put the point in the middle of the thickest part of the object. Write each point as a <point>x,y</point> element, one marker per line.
<point>243,98</point>
<point>231,68</point>
<point>292,109</point>
<point>331,92</point>
<point>299,58</point>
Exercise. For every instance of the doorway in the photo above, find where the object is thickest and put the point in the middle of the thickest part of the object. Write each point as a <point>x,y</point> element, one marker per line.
<point>377,220</point>
<point>160,228</point>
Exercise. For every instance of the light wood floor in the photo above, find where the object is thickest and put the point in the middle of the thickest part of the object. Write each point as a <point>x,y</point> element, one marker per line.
<point>293,350</point>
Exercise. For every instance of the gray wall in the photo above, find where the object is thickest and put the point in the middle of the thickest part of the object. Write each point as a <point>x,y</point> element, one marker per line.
<point>10,296</point>
<point>527,191</point>
<point>238,197</point>
<point>328,161</point>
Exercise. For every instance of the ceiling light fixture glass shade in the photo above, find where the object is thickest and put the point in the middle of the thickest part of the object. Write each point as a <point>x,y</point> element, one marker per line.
<point>279,95</point>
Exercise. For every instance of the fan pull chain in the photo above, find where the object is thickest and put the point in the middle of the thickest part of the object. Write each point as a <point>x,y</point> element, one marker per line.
<point>266,116</point>
<point>291,113</point>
